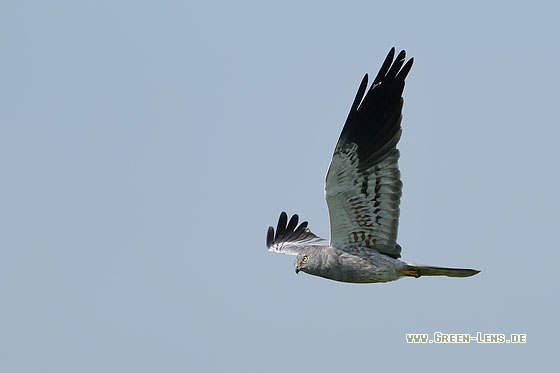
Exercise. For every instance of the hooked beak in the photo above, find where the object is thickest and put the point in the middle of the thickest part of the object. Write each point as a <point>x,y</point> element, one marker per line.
<point>297,269</point>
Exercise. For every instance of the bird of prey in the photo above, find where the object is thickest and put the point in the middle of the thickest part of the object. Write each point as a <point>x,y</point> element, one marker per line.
<point>363,192</point>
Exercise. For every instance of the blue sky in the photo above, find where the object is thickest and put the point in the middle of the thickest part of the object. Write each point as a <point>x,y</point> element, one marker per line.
<point>145,147</point>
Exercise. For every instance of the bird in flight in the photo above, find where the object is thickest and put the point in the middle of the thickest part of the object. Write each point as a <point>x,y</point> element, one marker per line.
<point>363,190</point>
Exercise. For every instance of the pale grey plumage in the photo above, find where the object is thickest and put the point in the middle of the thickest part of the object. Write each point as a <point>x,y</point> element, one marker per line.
<point>363,191</point>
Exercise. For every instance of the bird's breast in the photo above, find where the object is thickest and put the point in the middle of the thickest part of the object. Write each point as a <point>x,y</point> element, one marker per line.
<point>360,266</point>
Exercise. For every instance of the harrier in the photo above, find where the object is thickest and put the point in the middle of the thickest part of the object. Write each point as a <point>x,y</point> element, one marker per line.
<point>363,191</point>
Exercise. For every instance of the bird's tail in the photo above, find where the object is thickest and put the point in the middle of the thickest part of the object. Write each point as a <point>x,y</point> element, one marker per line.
<point>416,270</point>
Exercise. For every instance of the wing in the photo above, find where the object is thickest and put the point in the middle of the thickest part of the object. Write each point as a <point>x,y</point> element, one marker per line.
<point>363,186</point>
<point>289,239</point>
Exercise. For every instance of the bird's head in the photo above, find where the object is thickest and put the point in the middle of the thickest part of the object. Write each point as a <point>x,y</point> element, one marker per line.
<point>306,262</point>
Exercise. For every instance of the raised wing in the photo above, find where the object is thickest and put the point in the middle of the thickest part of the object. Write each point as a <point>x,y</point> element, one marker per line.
<point>291,238</point>
<point>363,186</point>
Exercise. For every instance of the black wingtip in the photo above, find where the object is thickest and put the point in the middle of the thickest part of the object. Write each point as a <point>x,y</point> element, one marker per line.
<point>403,73</point>
<point>282,221</point>
<point>292,223</point>
<point>385,67</point>
<point>286,229</point>
<point>359,95</point>
<point>269,237</point>
<point>373,123</point>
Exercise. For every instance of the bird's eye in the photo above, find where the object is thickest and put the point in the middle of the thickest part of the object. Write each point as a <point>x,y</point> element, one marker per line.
<point>304,259</point>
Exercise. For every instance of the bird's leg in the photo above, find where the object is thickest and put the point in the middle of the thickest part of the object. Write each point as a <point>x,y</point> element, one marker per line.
<point>410,272</point>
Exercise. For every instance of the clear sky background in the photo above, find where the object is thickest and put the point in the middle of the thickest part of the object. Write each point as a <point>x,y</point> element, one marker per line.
<point>145,147</point>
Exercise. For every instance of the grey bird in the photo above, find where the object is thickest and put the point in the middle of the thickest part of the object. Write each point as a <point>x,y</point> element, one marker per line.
<point>363,189</point>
